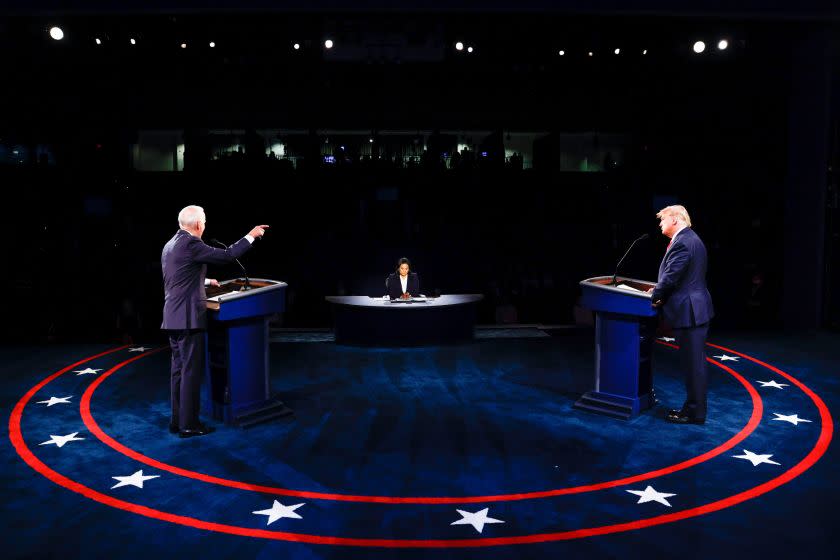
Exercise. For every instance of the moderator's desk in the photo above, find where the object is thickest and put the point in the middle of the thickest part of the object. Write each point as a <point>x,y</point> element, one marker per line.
<point>366,321</point>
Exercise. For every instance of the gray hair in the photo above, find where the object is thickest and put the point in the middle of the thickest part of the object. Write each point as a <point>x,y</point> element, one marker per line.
<point>190,215</point>
<point>677,211</point>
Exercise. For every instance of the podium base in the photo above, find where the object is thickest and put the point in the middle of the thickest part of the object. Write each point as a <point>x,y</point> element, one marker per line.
<point>257,413</point>
<point>623,408</point>
<point>270,410</point>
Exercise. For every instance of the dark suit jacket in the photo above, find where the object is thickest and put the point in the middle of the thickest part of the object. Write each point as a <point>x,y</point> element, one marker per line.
<point>184,262</point>
<point>395,286</point>
<point>682,282</point>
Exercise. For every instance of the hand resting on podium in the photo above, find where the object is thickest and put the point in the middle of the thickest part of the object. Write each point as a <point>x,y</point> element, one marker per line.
<point>657,303</point>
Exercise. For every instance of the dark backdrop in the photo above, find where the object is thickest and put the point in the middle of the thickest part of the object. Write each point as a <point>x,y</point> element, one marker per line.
<point>84,231</point>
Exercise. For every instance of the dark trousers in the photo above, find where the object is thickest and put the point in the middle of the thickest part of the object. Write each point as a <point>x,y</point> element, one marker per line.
<point>185,376</point>
<point>692,342</point>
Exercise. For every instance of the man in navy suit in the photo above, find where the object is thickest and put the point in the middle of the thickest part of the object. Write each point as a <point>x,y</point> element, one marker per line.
<point>686,306</point>
<point>184,262</point>
<point>403,284</point>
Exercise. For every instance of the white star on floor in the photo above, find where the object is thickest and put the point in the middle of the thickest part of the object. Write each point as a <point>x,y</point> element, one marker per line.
<point>792,418</point>
<point>61,440</point>
<point>56,400</point>
<point>138,349</point>
<point>725,358</point>
<point>668,338</point>
<point>756,459</point>
<point>651,495</point>
<point>773,384</point>
<point>477,519</point>
<point>279,511</point>
<point>137,479</point>
<point>87,370</point>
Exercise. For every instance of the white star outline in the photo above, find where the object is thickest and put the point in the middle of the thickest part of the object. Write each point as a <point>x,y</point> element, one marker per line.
<point>792,418</point>
<point>56,400</point>
<point>725,358</point>
<point>61,441</point>
<point>773,383</point>
<point>279,511</point>
<point>478,519</point>
<point>137,479</point>
<point>756,459</point>
<point>651,495</point>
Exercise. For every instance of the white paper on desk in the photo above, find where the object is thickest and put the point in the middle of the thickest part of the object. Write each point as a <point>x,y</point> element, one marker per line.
<point>629,288</point>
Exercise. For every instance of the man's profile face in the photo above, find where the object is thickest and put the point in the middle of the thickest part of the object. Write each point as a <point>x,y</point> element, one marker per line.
<point>404,269</point>
<point>201,225</point>
<point>668,225</point>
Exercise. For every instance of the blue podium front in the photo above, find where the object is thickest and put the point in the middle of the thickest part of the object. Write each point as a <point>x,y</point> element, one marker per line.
<point>625,326</point>
<point>236,388</point>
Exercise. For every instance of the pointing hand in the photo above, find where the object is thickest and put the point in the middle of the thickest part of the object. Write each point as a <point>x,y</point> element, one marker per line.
<point>258,231</point>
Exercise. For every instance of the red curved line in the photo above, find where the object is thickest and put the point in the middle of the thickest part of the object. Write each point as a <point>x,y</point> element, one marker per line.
<point>774,369</point>
<point>809,460</point>
<point>91,424</point>
<point>18,410</point>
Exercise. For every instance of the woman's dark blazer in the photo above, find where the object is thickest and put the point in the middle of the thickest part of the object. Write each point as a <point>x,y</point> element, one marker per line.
<point>395,287</point>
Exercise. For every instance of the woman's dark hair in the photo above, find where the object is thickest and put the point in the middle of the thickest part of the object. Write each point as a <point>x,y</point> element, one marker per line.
<point>403,261</point>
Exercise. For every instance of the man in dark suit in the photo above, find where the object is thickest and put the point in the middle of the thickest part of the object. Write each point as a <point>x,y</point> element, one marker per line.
<point>686,306</point>
<point>184,262</point>
<point>403,283</point>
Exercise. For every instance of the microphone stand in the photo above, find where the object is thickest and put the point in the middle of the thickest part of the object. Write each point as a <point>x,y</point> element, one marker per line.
<point>643,236</point>
<point>244,272</point>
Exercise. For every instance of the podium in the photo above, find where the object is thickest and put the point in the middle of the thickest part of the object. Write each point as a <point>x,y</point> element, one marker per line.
<point>236,388</point>
<point>625,326</point>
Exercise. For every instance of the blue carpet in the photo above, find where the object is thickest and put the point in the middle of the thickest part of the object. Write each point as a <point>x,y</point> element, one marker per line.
<point>480,333</point>
<point>493,418</point>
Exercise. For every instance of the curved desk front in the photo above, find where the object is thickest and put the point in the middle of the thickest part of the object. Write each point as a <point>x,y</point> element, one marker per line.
<point>366,321</point>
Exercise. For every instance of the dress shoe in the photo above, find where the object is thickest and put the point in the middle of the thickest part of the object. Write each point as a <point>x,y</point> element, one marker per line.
<point>200,430</point>
<point>173,429</point>
<point>681,418</point>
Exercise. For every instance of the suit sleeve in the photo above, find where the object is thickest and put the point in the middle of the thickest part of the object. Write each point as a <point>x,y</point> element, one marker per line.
<point>393,287</point>
<point>203,253</point>
<point>675,267</point>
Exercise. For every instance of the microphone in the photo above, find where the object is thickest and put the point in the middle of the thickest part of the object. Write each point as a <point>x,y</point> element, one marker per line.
<point>641,238</point>
<point>244,272</point>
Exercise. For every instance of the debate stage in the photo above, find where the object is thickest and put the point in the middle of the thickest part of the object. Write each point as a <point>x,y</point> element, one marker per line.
<point>457,451</point>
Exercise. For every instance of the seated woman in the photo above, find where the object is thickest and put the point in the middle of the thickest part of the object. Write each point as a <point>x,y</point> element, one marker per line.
<point>403,284</point>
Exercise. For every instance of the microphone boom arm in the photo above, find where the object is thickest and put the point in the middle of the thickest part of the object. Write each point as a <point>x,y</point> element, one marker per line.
<point>642,237</point>
<point>244,272</point>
